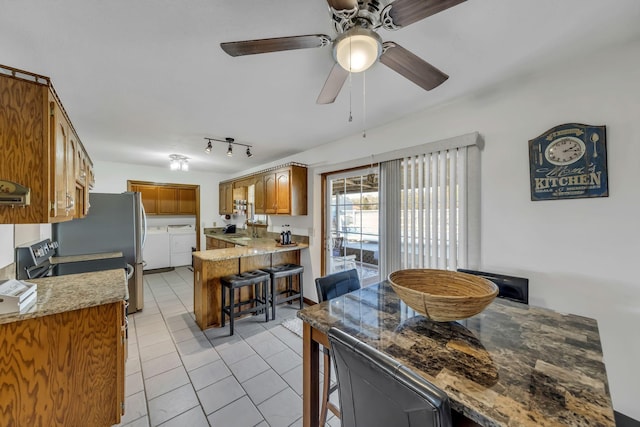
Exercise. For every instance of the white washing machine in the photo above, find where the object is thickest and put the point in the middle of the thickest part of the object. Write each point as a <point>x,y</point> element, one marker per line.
<point>157,251</point>
<point>182,238</point>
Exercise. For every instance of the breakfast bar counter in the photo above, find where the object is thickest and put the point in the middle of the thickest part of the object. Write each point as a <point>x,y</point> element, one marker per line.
<point>510,365</point>
<point>209,266</point>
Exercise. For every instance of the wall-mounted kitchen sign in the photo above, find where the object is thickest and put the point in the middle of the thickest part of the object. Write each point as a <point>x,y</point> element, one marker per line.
<point>569,161</point>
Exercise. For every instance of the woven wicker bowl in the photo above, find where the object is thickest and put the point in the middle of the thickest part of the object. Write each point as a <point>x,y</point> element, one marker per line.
<point>443,295</point>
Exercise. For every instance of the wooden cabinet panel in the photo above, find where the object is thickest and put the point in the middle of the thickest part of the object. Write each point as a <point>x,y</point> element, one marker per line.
<point>69,372</point>
<point>187,201</point>
<point>149,195</point>
<point>60,135</point>
<point>213,243</point>
<point>225,199</point>
<point>40,150</point>
<point>270,196</point>
<point>283,193</point>
<point>259,201</point>
<point>167,200</point>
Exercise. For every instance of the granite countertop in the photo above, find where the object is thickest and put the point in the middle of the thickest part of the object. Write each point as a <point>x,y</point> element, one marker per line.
<point>254,246</point>
<point>87,257</point>
<point>511,365</point>
<point>73,292</point>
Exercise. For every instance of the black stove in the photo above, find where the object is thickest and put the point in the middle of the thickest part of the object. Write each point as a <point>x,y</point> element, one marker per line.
<point>33,260</point>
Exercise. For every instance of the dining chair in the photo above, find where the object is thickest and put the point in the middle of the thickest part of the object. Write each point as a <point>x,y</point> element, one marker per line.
<point>329,287</point>
<point>509,287</point>
<point>378,391</point>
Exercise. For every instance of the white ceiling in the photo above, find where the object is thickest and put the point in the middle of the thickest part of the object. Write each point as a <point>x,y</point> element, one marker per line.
<point>143,79</point>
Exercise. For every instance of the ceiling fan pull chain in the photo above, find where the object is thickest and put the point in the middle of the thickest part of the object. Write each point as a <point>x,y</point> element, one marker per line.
<point>364,106</point>
<point>350,116</point>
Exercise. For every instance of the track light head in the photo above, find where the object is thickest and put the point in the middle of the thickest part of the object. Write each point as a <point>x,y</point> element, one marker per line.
<point>209,147</point>
<point>249,152</point>
<point>230,150</point>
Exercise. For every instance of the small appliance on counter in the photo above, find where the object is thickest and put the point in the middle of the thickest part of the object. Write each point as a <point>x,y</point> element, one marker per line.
<point>229,229</point>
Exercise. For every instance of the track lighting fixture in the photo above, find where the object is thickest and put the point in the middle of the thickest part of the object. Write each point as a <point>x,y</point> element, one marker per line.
<point>231,142</point>
<point>178,162</point>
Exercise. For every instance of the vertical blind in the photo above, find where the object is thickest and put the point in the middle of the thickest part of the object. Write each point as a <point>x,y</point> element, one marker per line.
<point>432,219</point>
<point>434,197</point>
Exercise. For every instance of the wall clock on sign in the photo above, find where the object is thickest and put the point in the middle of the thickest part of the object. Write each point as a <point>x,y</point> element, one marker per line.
<point>569,161</point>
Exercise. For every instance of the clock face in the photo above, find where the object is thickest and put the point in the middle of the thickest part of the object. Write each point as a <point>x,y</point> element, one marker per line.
<point>564,151</point>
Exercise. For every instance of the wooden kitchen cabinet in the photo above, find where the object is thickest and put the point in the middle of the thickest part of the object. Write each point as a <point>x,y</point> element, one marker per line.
<point>225,206</point>
<point>167,199</point>
<point>258,195</point>
<point>40,152</point>
<point>186,201</point>
<point>285,191</point>
<point>213,243</point>
<point>279,192</point>
<point>149,195</point>
<point>65,369</point>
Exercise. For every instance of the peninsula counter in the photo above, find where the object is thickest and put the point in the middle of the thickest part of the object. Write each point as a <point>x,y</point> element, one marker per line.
<point>210,266</point>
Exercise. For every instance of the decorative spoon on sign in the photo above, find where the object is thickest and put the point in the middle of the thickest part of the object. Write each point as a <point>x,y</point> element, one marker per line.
<point>594,139</point>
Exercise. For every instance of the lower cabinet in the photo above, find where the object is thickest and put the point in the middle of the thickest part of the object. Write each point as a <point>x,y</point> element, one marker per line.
<point>65,369</point>
<point>213,243</point>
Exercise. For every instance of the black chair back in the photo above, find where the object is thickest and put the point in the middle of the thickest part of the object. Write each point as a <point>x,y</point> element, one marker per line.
<point>337,284</point>
<point>378,391</point>
<point>509,287</point>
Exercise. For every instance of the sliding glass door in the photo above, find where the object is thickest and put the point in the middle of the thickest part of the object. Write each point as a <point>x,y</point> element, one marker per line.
<point>352,223</point>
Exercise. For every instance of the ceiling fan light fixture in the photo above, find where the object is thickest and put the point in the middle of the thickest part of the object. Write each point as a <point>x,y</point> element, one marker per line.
<point>357,49</point>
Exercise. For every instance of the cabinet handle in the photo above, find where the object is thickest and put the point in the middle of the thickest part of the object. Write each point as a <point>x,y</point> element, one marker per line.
<point>70,201</point>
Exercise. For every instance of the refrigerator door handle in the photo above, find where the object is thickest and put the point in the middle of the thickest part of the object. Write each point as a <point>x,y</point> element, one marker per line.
<point>144,223</point>
<point>130,271</point>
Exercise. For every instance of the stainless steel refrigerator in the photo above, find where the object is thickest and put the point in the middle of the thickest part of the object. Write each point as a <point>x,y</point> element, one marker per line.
<point>115,223</point>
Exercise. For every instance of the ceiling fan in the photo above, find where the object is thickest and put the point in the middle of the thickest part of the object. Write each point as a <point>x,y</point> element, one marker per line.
<point>357,46</point>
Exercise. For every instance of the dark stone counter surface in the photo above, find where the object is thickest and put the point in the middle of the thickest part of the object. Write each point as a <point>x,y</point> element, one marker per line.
<point>511,365</point>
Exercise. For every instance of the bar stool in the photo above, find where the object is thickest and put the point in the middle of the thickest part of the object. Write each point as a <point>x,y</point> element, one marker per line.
<point>288,271</point>
<point>260,282</point>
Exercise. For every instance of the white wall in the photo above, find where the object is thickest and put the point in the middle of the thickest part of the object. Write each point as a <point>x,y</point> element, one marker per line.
<point>579,255</point>
<point>112,178</point>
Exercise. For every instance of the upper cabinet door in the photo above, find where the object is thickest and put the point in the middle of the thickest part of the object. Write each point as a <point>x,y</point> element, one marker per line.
<point>167,200</point>
<point>225,199</point>
<point>258,195</point>
<point>283,192</point>
<point>60,199</point>
<point>270,196</point>
<point>187,201</point>
<point>149,194</point>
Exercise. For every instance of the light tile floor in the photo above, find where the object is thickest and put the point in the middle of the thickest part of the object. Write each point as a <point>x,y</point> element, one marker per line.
<point>177,375</point>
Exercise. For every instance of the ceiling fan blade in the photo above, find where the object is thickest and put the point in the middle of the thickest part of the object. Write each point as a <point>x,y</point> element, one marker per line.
<point>277,44</point>
<point>332,86</point>
<point>343,4</point>
<point>411,66</point>
<point>405,12</point>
